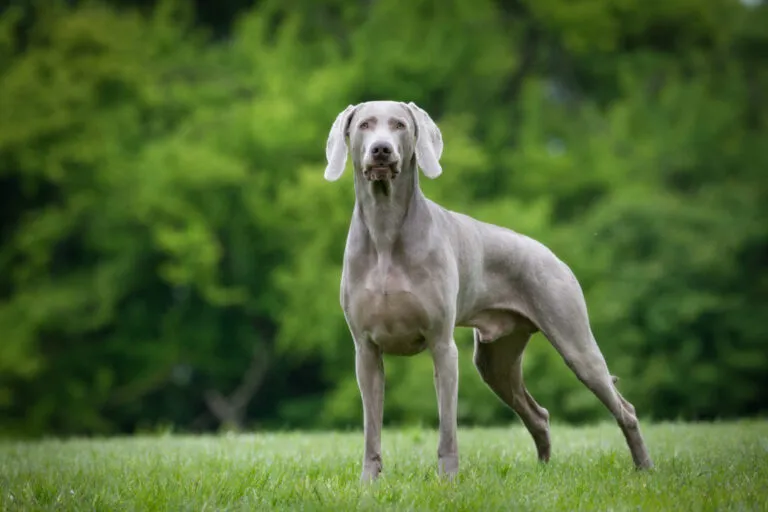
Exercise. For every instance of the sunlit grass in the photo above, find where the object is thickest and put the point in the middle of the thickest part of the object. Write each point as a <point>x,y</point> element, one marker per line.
<point>698,467</point>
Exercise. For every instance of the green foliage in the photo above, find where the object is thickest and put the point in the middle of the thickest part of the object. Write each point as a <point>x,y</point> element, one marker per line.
<point>167,235</point>
<point>706,467</point>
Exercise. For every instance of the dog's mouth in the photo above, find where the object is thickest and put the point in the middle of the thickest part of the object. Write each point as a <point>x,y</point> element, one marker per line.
<point>381,172</point>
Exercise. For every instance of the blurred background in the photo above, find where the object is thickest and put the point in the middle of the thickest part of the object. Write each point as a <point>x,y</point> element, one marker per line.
<point>170,253</point>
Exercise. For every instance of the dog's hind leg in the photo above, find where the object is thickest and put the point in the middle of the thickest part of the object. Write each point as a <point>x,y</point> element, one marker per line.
<point>583,356</point>
<point>500,364</point>
<point>563,319</point>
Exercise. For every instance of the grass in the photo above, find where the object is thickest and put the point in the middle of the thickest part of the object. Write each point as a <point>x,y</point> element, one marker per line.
<point>698,467</point>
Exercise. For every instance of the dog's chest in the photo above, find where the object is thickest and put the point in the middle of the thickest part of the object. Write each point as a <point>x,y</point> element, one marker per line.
<point>390,308</point>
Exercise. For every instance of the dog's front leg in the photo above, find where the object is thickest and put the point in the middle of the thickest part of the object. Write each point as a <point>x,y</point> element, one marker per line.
<point>369,368</point>
<point>445,356</point>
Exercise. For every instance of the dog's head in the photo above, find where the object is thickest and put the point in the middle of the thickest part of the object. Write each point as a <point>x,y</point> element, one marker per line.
<point>384,136</point>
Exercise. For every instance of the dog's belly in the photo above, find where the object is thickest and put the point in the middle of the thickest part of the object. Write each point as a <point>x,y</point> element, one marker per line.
<point>395,321</point>
<point>492,324</point>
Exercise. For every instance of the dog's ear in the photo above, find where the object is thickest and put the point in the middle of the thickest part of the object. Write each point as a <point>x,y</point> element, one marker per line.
<point>336,146</point>
<point>429,142</point>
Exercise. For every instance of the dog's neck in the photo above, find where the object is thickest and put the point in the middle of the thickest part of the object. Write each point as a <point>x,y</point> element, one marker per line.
<point>384,206</point>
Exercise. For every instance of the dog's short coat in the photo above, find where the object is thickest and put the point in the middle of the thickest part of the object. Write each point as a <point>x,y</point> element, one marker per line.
<point>413,271</point>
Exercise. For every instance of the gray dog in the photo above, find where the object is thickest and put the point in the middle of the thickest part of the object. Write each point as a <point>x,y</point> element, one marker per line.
<point>413,271</point>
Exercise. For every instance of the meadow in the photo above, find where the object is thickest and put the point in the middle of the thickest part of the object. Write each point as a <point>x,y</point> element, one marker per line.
<point>712,466</point>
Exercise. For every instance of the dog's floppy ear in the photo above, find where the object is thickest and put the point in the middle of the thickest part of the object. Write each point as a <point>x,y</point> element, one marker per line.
<point>429,142</point>
<point>336,146</point>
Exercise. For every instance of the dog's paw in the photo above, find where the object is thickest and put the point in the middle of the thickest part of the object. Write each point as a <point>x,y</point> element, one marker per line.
<point>448,468</point>
<point>371,471</point>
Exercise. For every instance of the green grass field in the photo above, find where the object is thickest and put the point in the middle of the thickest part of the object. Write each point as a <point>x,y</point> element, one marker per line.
<point>698,467</point>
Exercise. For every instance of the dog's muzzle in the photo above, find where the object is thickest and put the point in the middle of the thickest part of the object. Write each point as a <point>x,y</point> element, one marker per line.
<point>380,172</point>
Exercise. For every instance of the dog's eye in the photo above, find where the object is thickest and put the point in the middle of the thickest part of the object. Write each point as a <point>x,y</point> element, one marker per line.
<point>399,125</point>
<point>364,125</point>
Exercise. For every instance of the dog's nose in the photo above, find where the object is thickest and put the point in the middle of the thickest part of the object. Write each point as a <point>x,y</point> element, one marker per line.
<point>381,151</point>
